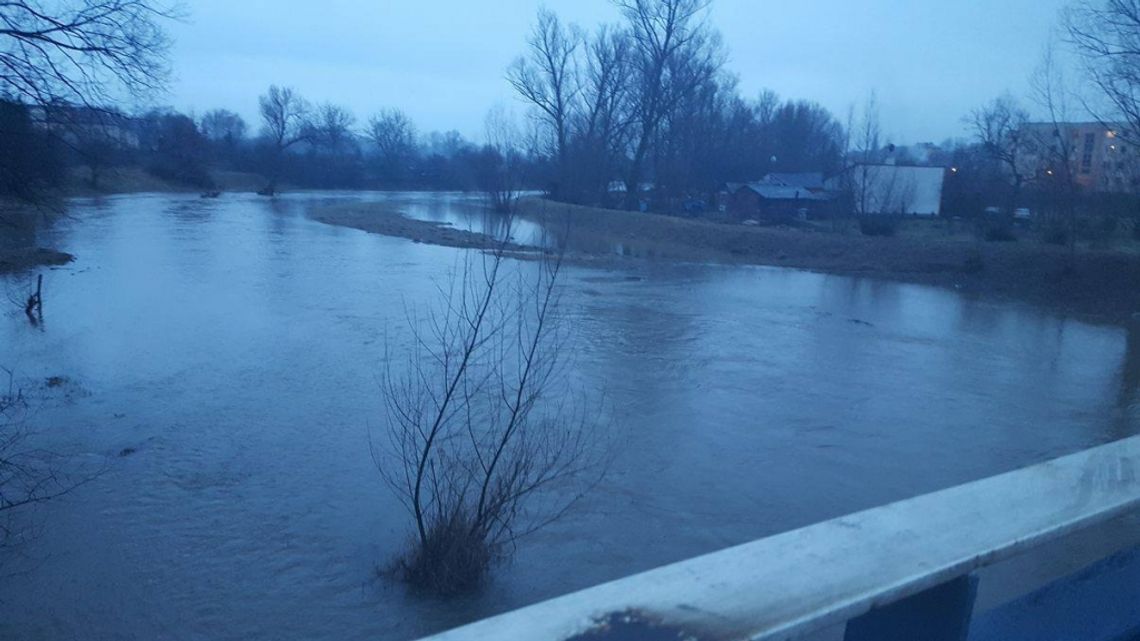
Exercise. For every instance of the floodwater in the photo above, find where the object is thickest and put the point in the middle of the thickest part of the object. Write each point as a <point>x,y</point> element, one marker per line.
<point>235,345</point>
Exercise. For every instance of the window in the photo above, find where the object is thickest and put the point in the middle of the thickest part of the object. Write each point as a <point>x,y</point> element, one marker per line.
<point>1087,153</point>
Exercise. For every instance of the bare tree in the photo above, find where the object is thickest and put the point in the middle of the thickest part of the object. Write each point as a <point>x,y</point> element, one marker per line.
<point>601,127</point>
<point>501,160</point>
<point>82,51</point>
<point>867,144</point>
<point>547,79</point>
<point>1000,127</point>
<point>1051,91</point>
<point>1106,35</point>
<point>331,127</point>
<point>285,123</point>
<point>689,149</point>
<point>394,135</point>
<point>222,126</point>
<point>60,54</point>
<point>482,431</point>
<point>673,52</point>
<point>803,136</point>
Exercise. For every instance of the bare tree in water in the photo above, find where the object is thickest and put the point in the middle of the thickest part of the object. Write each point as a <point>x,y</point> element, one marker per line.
<point>499,167</point>
<point>487,440</point>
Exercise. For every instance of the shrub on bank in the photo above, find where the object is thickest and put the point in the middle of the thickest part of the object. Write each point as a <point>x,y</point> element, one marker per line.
<point>999,231</point>
<point>878,225</point>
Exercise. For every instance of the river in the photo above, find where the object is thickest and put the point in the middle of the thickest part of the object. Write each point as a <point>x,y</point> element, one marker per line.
<point>232,348</point>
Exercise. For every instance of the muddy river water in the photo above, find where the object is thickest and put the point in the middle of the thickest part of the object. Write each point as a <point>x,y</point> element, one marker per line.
<point>233,348</point>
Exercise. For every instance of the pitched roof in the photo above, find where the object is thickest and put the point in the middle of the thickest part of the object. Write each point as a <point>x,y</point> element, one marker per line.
<point>807,180</point>
<point>777,192</point>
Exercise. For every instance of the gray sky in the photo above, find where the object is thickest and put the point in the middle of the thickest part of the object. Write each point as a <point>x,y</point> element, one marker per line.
<point>443,61</point>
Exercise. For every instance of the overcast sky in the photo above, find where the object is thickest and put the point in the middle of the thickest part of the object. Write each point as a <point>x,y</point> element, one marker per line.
<point>443,61</point>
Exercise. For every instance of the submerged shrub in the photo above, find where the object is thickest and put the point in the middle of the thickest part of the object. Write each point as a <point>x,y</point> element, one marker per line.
<point>476,453</point>
<point>453,559</point>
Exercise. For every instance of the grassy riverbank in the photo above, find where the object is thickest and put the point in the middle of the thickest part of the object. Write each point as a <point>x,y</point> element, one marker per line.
<point>133,180</point>
<point>18,251</point>
<point>1104,286</point>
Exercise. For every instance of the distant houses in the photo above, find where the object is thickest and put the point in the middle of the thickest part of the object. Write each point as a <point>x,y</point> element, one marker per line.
<point>779,197</point>
<point>864,189</point>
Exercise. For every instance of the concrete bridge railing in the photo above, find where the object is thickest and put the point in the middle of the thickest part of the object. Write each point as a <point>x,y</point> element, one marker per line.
<point>909,570</point>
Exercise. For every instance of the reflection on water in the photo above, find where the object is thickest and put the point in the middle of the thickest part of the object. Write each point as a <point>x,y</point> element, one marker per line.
<point>234,346</point>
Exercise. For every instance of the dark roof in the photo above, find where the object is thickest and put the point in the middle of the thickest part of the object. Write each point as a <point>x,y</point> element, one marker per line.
<point>777,192</point>
<point>806,180</point>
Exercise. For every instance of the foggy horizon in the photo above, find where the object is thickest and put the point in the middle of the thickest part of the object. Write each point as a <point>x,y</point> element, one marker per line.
<point>928,65</point>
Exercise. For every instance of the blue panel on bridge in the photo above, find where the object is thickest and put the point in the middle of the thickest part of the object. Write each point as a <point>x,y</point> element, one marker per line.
<point>1100,603</point>
<point>938,614</point>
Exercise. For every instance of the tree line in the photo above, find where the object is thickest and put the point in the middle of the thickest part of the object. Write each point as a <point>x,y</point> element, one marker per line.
<point>648,100</point>
<point>296,142</point>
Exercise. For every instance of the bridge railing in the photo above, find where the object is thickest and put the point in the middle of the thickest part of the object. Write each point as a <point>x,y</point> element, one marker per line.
<point>907,570</point>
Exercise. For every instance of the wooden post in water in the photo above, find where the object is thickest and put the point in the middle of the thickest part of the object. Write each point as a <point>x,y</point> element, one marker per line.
<point>35,306</point>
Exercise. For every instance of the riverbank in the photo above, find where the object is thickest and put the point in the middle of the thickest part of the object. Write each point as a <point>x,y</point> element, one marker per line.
<point>16,260</point>
<point>1103,287</point>
<point>18,220</point>
<point>133,180</point>
<point>18,248</point>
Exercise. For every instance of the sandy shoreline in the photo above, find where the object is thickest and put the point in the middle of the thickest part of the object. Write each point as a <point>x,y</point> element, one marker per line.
<point>386,219</point>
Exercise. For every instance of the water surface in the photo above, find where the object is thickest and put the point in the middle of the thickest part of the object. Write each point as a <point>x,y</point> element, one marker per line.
<point>236,344</point>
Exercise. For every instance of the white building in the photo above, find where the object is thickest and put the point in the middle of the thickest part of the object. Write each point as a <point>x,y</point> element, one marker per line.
<point>892,189</point>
